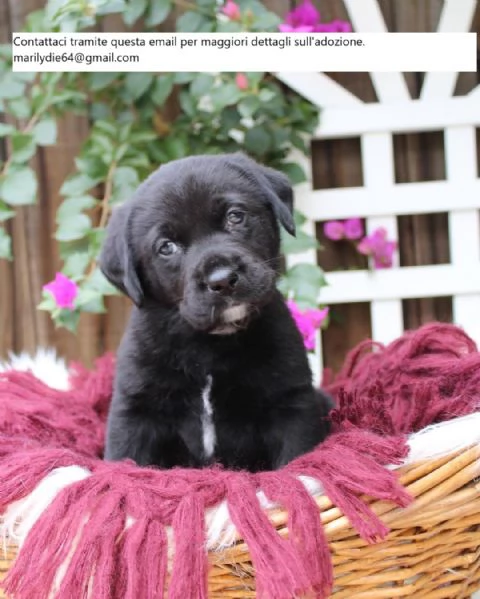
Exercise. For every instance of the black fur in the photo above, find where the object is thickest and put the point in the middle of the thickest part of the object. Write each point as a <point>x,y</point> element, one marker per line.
<point>220,213</point>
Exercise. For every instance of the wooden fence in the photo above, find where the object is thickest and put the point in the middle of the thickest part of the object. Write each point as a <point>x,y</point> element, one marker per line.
<point>423,238</point>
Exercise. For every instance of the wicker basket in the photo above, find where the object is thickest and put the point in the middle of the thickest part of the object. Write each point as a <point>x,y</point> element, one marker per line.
<point>432,551</point>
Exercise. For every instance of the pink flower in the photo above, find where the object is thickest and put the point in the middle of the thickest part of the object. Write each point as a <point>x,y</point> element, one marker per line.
<point>383,256</point>
<point>305,15</point>
<point>379,248</point>
<point>241,81</point>
<point>300,29</point>
<point>341,26</point>
<point>308,321</point>
<point>305,18</point>
<point>334,230</point>
<point>232,10</point>
<point>64,291</point>
<point>325,28</point>
<point>353,228</point>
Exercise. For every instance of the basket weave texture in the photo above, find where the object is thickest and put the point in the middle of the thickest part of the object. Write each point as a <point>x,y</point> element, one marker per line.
<point>432,551</point>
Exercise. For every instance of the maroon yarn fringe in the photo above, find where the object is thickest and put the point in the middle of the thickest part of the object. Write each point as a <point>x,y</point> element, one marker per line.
<point>109,531</point>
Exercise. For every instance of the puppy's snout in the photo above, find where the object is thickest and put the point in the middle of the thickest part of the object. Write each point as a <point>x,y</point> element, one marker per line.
<point>222,280</point>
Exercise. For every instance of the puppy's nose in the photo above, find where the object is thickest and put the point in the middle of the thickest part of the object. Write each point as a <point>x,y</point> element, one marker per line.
<point>222,280</point>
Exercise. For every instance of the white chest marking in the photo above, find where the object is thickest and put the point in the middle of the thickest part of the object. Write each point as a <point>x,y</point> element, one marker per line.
<point>208,426</point>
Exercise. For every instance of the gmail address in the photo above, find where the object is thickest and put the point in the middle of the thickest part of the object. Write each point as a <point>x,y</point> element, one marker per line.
<point>75,57</point>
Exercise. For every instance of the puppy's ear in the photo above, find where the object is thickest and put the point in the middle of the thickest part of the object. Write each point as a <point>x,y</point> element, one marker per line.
<point>117,260</point>
<point>282,202</point>
<point>275,185</point>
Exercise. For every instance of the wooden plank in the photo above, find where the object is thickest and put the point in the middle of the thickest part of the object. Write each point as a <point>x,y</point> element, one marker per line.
<point>366,17</point>
<point>407,282</point>
<point>403,198</point>
<point>319,89</point>
<point>413,116</point>
<point>456,16</point>
<point>464,225</point>
<point>379,176</point>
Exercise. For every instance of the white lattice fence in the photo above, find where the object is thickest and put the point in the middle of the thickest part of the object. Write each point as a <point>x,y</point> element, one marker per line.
<point>381,199</point>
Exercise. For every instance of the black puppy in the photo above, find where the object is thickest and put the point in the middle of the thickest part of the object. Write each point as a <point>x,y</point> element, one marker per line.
<point>212,367</point>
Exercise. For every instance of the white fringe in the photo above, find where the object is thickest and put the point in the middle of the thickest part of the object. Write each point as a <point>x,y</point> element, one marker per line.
<point>45,365</point>
<point>432,442</point>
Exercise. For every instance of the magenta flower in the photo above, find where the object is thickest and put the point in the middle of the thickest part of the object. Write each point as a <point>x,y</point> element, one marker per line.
<point>353,228</point>
<point>379,248</point>
<point>383,256</point>
<point>305,18</point>
<point>334,230</point>
<point>232,10</point>
<point>300,29</point>
<point>241,81</point>
<point>325,28</point>
<point>64,291</point>
<point>308,321</point>
<point>304,15</point>
<point>341,26</point>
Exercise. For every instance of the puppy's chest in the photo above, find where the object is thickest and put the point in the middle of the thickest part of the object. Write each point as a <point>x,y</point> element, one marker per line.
<point>227,413</point>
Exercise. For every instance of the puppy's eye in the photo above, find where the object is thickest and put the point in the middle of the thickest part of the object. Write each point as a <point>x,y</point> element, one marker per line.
<point>167,248</point>
<point>235,217</point>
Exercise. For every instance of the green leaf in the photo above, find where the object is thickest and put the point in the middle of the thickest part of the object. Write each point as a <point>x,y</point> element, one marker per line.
<point>19,186</point>
<point>188,103</point>
<point>202,84</point>
<point>75,265</point>
<point>67,319</point>
<point>176,147</point>
<point>162,88</point>
<point>99,283</point>
<point>78,184</point>
<point>305,282</point>
<point>100,111</point>
<point>125,182</point>
<point>5,212</point>
<point>248,106</point>
<point>191,22</point>
<point>299,218</point>
<point>5,245</point>
<point>298,244</point>
<point>135,9</point>
<point>6,129</point>
<point>137,84</point>
<point>20,108</point>
<point>294,172</point>
<point>91,166</point>
<point>158,11</point>
<point>6,51</point>
<point>299,142</point>
<point>257,140</point>
<point>99,81</point>
<point>48,303</point>
<point>266,95</point>
<point>255,78</point>
<point>182,78</point>
<point>266,21</point>
<point>23,147</point>
<point>140,137</point>
<point>111,6</point>
<point>35,21</point>
<point>106,127</point>
<point>10,87</point>
<point>229,27</point>
<point>73,228</point>
<point>102,145</point>
<point>72,206</point>
<point>225,95</point>
<point>45,132</point>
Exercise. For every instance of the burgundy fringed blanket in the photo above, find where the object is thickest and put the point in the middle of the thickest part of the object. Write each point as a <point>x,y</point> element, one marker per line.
<point>110,529</point>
